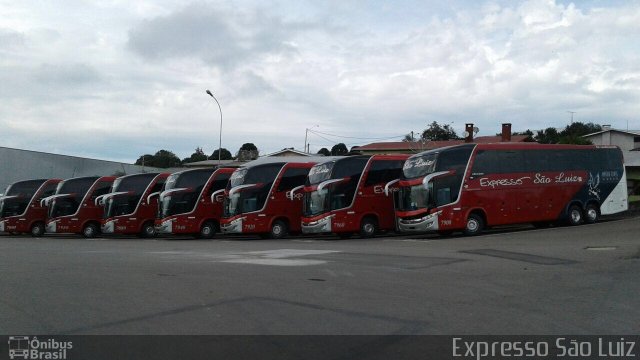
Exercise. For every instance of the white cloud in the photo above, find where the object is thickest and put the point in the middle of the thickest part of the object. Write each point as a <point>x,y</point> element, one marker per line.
<point>118,79</point>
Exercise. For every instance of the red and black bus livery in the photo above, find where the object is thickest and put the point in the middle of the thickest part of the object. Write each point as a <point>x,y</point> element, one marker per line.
<point>347,195</point>
<point>186,204</point>
<point>20,208</point>
<point>472,186</point>
<point>73,208</point>
<point>132,205</point>
<point>263,199</point>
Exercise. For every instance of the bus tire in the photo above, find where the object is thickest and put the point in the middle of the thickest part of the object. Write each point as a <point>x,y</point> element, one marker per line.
<point>474,225</point>
<point>37,229</point>
<point>575,215</point>
<point>368,227</point>
<point>591,213</point>
<point>207,230</point>
<point>279,230</point>
<point>148,230</point>
<point>90,231</point>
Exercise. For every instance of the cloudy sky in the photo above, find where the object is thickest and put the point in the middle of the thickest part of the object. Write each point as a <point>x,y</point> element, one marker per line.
<point>116,79</point>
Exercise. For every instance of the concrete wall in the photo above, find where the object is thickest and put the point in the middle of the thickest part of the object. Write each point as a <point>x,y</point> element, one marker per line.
<point>623,140</point>
<point>16,165</point>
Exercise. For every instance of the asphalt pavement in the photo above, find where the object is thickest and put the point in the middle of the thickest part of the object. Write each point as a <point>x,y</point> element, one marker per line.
<point>565,280</point>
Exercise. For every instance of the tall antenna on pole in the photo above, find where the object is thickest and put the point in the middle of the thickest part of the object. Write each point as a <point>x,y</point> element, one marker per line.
<point>571,112</point>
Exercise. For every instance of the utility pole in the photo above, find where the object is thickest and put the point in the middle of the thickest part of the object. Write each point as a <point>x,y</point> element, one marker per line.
<point>571,112</point>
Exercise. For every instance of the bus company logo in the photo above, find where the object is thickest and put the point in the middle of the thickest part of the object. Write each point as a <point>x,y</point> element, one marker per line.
<point>417,163</point>
<point>25,347</point>
<point>486,182</point>
<point>322,169</point>
<point>594,185</point>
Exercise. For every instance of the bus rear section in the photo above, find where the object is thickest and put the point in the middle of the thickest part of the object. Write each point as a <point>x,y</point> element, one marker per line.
<point>73,208</point>
<point>265,199</point>
<point>191,202</point>
<point>470,187</point>
<point>21,210</point>
<point>131,206</point>
<point>347,196</point>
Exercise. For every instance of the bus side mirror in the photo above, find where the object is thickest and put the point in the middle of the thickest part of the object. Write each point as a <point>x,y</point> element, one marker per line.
<point>215,193</point>
<point>151,196</point>
<point>386,187</point>
<point>435,175</point>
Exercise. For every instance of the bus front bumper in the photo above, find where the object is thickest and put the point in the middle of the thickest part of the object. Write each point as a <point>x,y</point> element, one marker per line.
<point>108,227</point>
<point>51,226</point>
<point>423,224</point>
<point>322,225</point>
<point>232,227</point>
<point>165,227</point>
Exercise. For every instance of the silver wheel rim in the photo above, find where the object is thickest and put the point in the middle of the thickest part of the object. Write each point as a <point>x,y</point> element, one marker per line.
<point>277,229</point>
<point>206,230</point>
<point>472,225</point>
<point>592,214</point>
<point>368,228</point>
<point>36,230</point>
<point>150,230</point>
<point>88,231</point>
<point>575,216</point>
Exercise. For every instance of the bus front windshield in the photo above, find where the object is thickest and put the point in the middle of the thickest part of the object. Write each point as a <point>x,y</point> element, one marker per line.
<point>17,197</point>
<point>188,185</point>
<point>440,190</point>
<point>252,187</point>
<point>341,179</point>
<point>76,189</point>
<point>124,204</point>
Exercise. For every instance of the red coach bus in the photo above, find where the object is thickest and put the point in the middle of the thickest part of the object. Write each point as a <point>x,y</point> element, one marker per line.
<point>20,207</point>
<point>347,195</point>
<point>258,199</point>
<point>186,206</point>
<point>132,205</point>
<point>73,208</point>
<point>469,187</point>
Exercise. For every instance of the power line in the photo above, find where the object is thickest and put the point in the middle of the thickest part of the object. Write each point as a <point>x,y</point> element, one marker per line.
<point>353,137</point>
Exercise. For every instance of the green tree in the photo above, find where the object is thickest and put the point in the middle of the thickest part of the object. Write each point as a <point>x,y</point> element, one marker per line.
<point>224,155</point>
<point>145,160</point>
<point>339,149</point>
<point>436,132</point>
<point>198,155</point>
<point>573,134</point>
<point>248,151</point>
<point>324,151</point>
<point>165,159</point>
<point>547,136</point>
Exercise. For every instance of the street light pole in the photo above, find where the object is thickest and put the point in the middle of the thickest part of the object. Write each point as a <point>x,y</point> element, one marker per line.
<point>220,142</point>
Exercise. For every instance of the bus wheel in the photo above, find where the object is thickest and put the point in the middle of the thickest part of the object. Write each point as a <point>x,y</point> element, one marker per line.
<point>368,228</point>
<point>278,230</point>
<point>474,225</point>
<point>37,229</point>
<point>148,230</point>
<point>591,214</point>
<point>207,231</point>
<point>575,215</point>
<point>90,231</point>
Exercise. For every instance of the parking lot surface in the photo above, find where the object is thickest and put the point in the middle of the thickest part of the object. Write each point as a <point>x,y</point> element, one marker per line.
<point>565,280</point>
